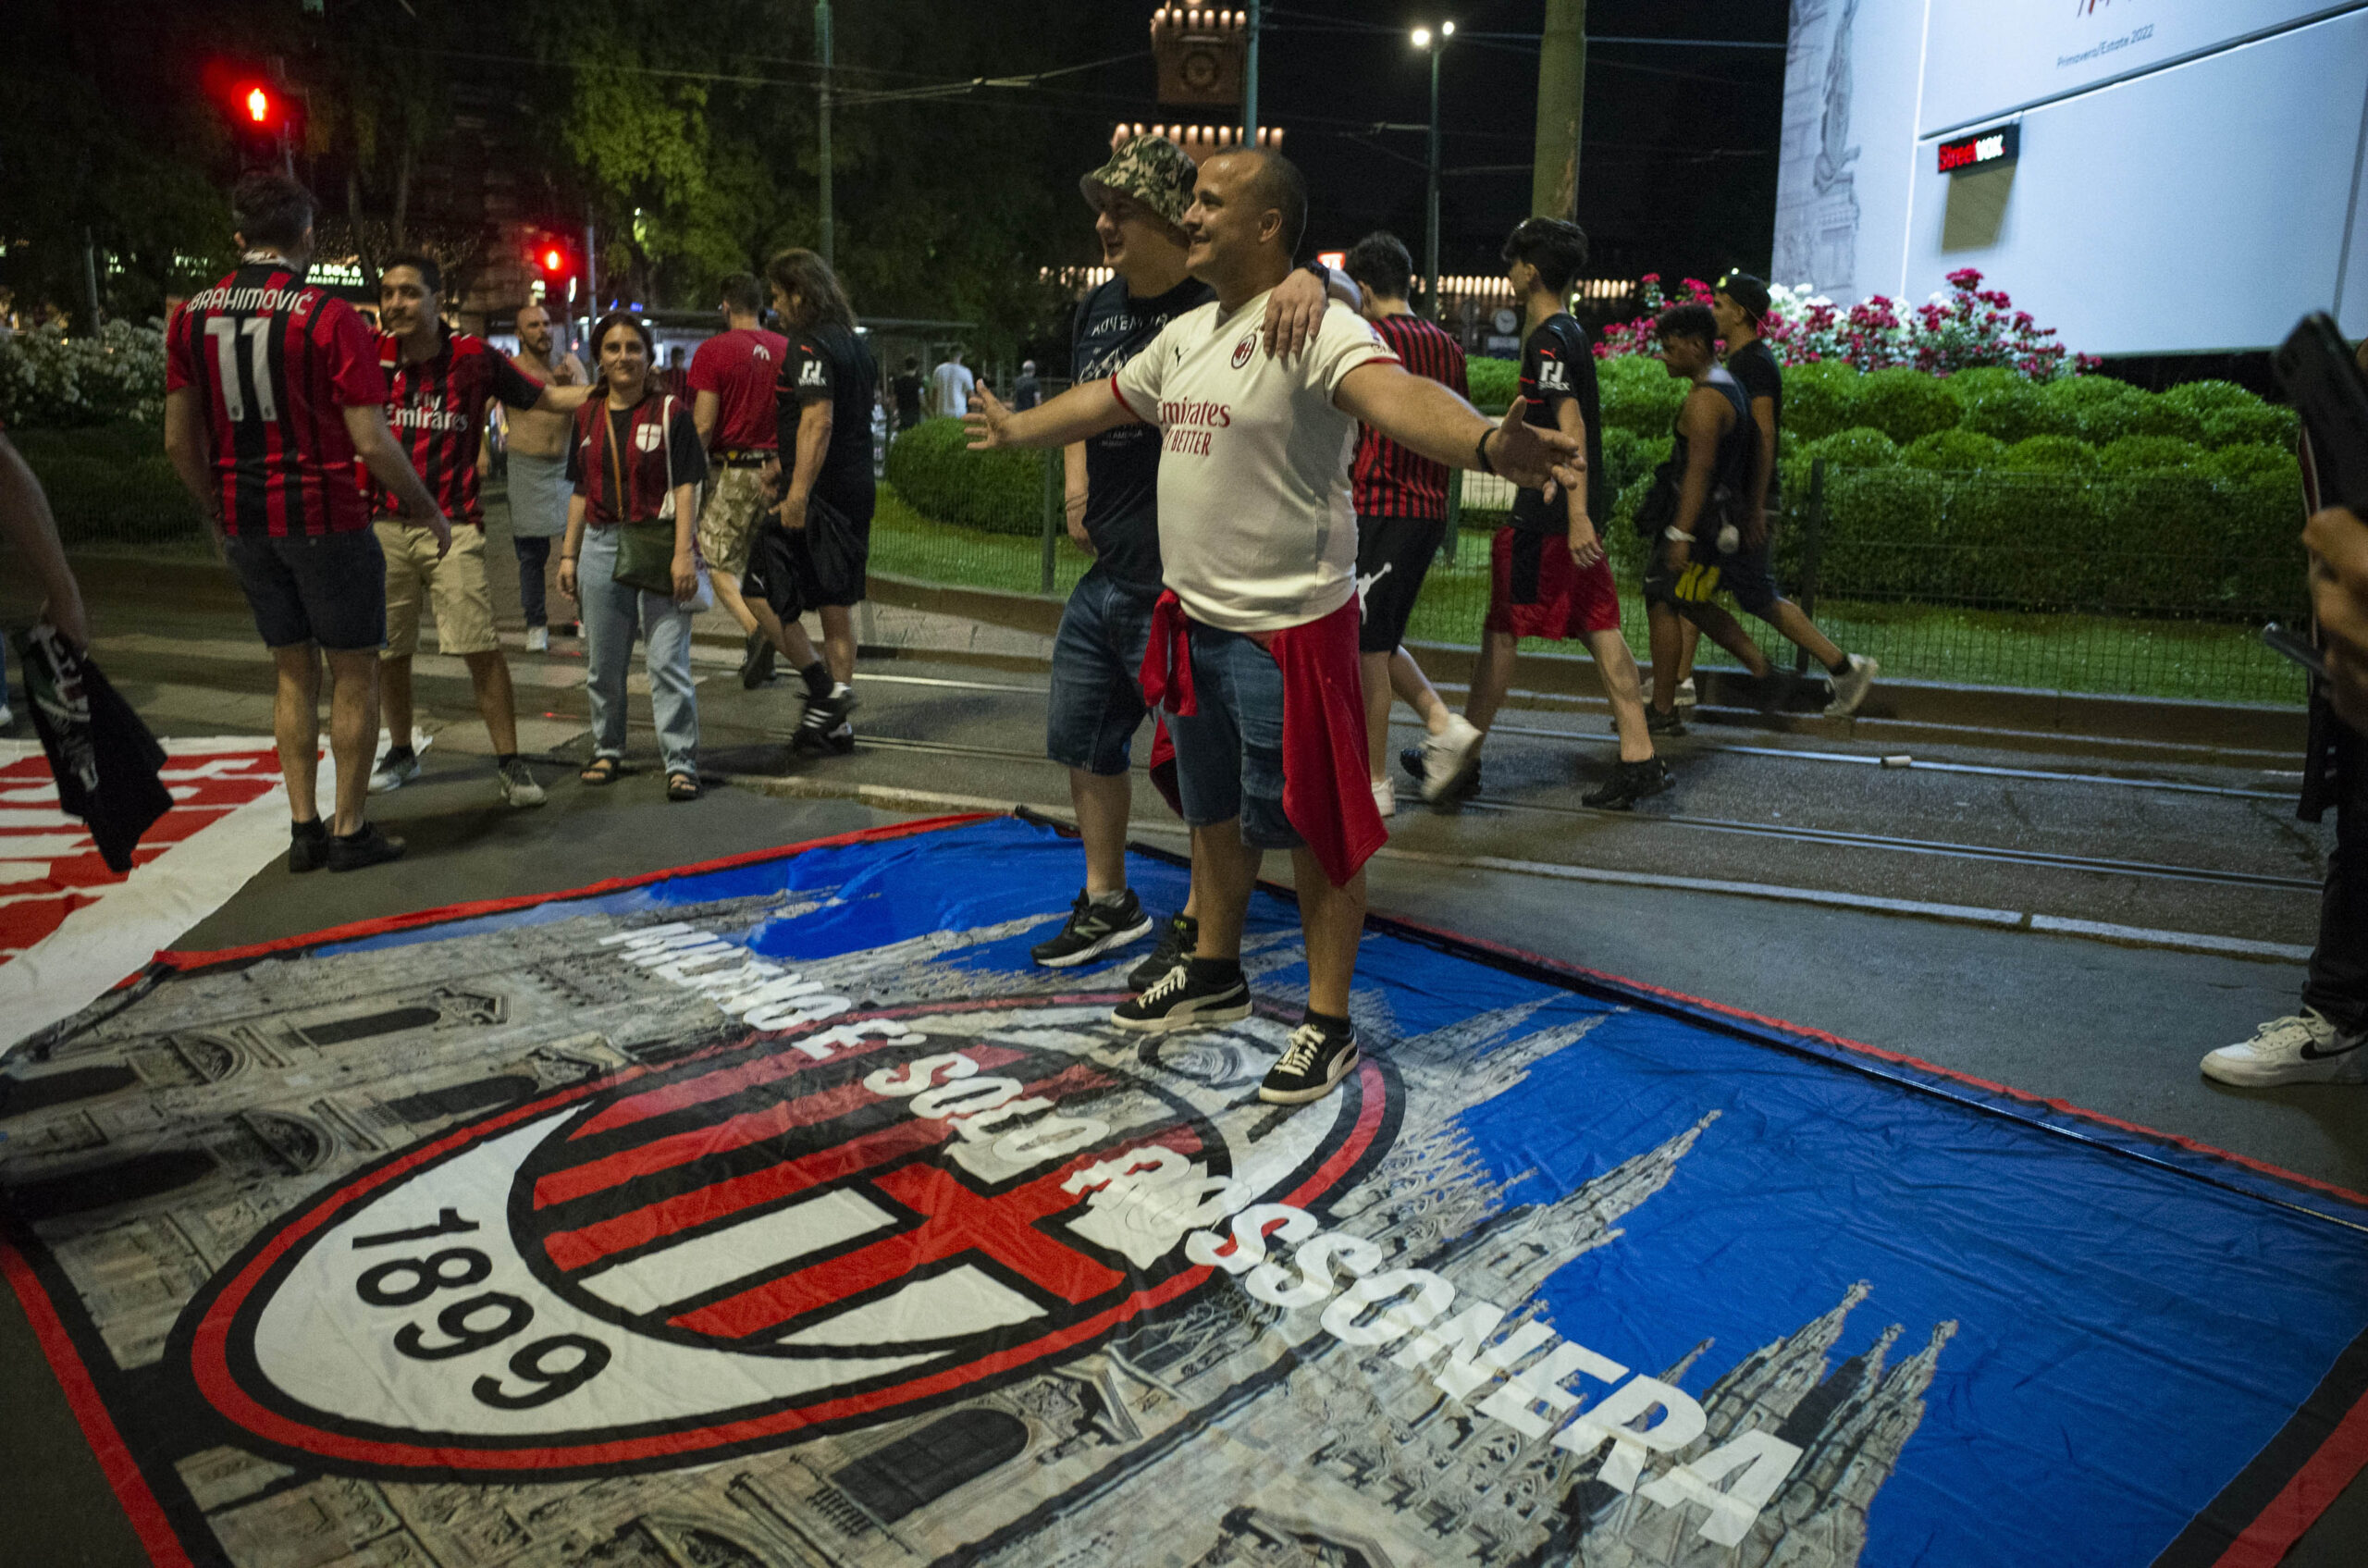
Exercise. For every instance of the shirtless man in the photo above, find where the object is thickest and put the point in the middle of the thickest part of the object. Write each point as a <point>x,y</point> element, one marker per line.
<point>538,487</point>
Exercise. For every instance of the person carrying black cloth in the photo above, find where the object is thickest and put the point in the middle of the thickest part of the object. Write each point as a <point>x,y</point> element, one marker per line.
<point>2320,1042</point>
<point>812,554</point>
<point>101,756</point>
<point>1738,306</point>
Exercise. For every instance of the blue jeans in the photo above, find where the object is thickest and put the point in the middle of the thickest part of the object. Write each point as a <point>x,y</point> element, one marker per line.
<point>1097,702</point>
<point>534,554</point>
<point>614,615</point>
<point>1229,755</point>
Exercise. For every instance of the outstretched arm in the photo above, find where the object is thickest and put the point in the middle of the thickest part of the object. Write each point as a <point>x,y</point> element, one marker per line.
<point>1087,409</point>
<point>1417,412</point>
<point>25,520</point>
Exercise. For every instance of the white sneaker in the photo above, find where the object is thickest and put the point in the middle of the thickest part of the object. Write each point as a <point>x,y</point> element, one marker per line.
<point>1686,699</point>
<point>1850,688</point>
<point>2303,1048</point>
<point>539,639</point>
<point>1449,759</point>
<point>1385,798</point>
<point>518,786</point>
<point>7,716</point>
<point>393,773</point>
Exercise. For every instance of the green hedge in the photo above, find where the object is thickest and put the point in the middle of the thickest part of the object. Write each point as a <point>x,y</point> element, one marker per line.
<point>1904,404</point>
<point>2049,454</point>
<point>1955,448</point>
<point>1002,492</point>
<point>1493,383</point>
<point>111,484</point>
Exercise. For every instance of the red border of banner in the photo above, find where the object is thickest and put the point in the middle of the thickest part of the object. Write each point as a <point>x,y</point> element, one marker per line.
<point>140,1505</point>
<point>2332,1466</point>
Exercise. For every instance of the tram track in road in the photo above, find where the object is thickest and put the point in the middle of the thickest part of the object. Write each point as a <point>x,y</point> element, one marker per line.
<point>1836,838</point>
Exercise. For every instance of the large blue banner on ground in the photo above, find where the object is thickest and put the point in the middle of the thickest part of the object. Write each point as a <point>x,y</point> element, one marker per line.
<point>783,1213</point>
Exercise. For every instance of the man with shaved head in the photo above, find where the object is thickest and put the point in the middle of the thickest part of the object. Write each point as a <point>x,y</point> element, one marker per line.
<point>1253,646</point>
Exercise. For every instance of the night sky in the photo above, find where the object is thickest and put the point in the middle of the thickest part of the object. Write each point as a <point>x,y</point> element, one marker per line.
<point>1678,166</point>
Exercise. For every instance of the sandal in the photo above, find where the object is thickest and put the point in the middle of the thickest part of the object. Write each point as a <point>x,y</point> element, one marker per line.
<point>683,787</point>
<point>602,770</point>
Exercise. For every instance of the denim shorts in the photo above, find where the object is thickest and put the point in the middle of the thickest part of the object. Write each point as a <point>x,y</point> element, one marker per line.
<point>1229,755</point>
<point>1097,703</point>
<point>324,589</point>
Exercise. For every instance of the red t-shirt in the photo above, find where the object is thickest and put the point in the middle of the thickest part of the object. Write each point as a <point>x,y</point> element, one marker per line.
<point>739,366</point>
<point>436,409</point>
<point>278,361</point>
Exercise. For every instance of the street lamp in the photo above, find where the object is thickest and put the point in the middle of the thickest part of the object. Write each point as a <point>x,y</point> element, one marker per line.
<point>1437,46</point>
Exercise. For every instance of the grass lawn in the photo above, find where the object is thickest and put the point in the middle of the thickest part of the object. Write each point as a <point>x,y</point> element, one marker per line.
<point>2129,658</point>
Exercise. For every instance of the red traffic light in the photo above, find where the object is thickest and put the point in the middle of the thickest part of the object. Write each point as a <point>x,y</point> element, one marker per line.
<point>554,261</point>
<point>258,106</point>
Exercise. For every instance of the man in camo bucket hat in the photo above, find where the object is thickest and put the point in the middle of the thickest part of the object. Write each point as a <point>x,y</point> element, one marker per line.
<point>1139,198</point>
<point>1153,170</point>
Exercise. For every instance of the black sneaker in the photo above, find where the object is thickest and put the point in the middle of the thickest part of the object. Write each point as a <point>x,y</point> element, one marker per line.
<point>1630,783</point>
<point>757,660</point>
<point>1659,723</point>
<point>1412,761</point>
<point>1176,1001</point>
<point>1312,1066</point>
<point>818,729</point>
<point>351,852</point>
<point>308,847</point>
<point>1093,930</point>
<point>1175,944</point>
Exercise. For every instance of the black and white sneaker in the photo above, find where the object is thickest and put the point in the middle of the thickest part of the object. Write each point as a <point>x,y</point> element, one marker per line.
<point>1629,782</point>
<point>1313,1064</point>
<point>2304,1047</point>
<point>1175,944</point>
<point>823,730</point>
<point>1178,1001</point>
<point>1095,926</point>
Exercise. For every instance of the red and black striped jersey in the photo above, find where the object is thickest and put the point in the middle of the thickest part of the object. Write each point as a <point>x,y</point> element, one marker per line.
<point>1390,480</point>
<point>626,463</point>
<point>436,409</point>
<point>276,361</point>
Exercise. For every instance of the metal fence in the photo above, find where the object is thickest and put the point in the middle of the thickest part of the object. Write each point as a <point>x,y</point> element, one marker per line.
<point>2132,586</point>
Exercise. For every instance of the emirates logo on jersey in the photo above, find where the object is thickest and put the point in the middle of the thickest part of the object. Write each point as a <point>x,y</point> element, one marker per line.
<point>1243,350</point>
<point>813,1228</point>
<point>649,438</point>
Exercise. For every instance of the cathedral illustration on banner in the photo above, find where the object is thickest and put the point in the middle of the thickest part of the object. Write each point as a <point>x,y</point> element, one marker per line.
<point>160,1139</point>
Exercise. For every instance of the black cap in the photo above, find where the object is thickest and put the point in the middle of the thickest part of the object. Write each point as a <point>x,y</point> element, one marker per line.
<point>1747,291</point>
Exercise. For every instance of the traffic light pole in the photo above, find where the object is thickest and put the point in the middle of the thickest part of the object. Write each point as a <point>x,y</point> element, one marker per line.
<point>822,143</point>
<point>591,279</point>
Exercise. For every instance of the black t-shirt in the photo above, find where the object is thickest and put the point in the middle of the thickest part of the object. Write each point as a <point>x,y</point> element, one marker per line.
<point>1755,368</point>
<point>829,362</point>
<point>1122,465</point>
<point>906,389</point>
<point>1558,364</point>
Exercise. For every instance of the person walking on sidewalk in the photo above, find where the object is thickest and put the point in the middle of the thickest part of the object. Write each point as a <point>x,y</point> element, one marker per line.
<point>538,442</point>
<point>1714,477</point>
<point>1548,573</point>
<point>906,389</point>
<point>813,554</point>
<point>731,402</point>
<point>1737,306</point>
<point>1252,646</point>
<point>1402,514</point>
<point>439,382</point>
<point>636,466</point>
<point>951,385</point>
<point>2323,1041</point>
<point>272,392</point>
<point>1097,703</point>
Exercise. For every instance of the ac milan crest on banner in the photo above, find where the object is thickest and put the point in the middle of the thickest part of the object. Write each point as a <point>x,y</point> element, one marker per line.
<point>780,1212</point>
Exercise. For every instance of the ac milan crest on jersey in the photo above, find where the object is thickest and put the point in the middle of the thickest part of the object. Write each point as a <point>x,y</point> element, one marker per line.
<point>823,1227</point>
<point>1243,350</point>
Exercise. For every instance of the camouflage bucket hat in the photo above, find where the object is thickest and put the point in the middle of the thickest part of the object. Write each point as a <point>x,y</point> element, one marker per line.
<point>1153,170</point>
